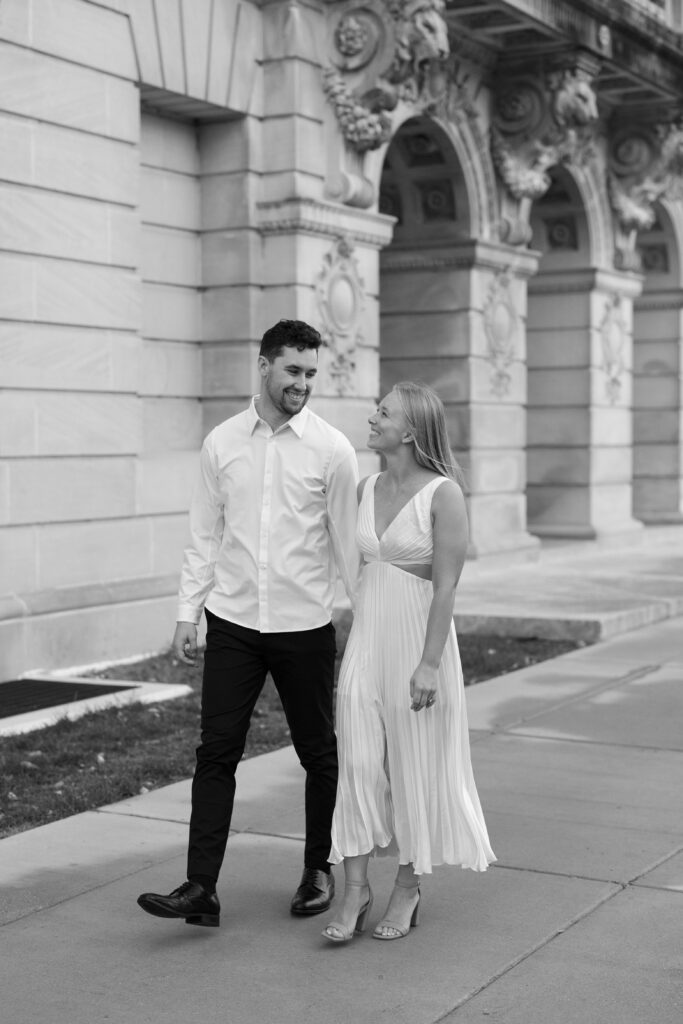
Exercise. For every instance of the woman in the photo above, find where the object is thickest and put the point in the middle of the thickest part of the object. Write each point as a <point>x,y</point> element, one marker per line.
<point>405,777</point>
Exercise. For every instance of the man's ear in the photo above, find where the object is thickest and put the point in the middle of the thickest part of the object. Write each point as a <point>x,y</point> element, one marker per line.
<point>263,365</point>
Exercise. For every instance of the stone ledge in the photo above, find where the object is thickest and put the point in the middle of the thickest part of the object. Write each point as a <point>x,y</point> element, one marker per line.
<point>88,595</point>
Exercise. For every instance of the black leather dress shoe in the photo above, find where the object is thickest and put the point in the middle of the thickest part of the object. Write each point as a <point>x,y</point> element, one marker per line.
<point>190,900</point>
<point>315,892</point>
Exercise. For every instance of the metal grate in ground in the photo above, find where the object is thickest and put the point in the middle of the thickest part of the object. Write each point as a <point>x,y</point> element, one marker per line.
<point>21,695</point>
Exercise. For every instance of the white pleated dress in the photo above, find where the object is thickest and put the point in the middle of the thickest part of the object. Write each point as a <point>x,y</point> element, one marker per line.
<point>405,778</point>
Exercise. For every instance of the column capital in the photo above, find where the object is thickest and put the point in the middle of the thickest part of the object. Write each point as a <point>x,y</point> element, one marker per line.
<point>317,217</point>
<point>611,282</point>
<point>470,253</point>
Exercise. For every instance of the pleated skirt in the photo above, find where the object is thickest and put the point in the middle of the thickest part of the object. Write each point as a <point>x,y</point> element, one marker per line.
<point>405,778</point>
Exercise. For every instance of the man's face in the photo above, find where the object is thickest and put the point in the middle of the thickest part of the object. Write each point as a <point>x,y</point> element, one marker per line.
<point>288,380</point>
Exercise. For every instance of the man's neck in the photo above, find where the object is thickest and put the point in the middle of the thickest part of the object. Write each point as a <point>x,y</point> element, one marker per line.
<point>267,412</point>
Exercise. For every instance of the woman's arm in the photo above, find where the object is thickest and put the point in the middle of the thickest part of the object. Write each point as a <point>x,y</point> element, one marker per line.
<point>450,534</point>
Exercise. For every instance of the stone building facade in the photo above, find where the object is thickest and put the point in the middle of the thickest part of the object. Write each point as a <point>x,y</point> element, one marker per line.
<point>482,195</point>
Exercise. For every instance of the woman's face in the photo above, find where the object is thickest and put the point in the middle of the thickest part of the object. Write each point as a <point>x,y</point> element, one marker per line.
<point>388,426</point>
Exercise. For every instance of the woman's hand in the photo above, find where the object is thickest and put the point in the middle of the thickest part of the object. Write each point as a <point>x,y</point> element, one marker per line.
<point>423,686</point>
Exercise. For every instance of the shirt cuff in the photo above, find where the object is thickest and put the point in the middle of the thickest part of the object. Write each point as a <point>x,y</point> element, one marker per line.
<point>187,613</point>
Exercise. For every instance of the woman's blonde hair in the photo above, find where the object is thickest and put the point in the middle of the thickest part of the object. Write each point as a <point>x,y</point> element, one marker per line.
<point>424,411</point>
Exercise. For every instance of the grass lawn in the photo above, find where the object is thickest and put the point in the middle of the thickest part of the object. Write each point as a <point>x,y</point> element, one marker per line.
<point>120,752</point>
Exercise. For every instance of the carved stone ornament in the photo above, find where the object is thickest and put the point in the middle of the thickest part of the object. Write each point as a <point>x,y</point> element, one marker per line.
<point>645,164</point>
<point>501,323</point>
<point>415,33</point>
<point>340,294</point>
<point>613,340</point>
<point>539,122</point>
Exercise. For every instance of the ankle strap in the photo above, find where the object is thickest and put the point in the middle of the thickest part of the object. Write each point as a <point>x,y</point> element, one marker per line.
<point>356,885</point>
<point>402,885</point>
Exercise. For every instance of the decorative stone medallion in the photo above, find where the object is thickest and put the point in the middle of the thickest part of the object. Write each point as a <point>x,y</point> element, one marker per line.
<point>613,339</point>
<point>357,36</point>
<point>340,294</point>
<point>500,325</point>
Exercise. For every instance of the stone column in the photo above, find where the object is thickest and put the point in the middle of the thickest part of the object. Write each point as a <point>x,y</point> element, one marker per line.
<point>580,444</point>
<point>657,392</point>
<point>454,317</point>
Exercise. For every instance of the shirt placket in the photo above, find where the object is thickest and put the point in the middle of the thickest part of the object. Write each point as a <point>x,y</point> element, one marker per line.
<point>264,534</point>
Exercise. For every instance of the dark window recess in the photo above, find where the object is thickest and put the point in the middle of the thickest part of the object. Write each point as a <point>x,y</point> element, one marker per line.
<point>21,695</point>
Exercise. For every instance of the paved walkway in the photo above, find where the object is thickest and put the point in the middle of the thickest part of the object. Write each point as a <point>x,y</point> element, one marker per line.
<point>581,590</point>
<point>579,763</point>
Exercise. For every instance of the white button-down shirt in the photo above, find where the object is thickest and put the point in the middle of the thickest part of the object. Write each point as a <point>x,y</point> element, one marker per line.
<point>272,519</point>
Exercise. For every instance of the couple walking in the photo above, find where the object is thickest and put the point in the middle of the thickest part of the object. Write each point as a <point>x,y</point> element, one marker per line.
<point>276,509</point>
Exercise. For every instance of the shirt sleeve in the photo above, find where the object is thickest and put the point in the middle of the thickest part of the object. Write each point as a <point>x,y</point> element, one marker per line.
<point>206,534</point>
<point>342,512</point>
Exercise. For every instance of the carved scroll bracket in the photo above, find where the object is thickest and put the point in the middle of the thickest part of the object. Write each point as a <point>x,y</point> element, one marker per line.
<point>541,120</point>
<point>383,53</point>
<point>645,165</point>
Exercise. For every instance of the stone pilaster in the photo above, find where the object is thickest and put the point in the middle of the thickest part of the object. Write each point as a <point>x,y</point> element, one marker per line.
<point>657,393</point>
<point>454,317</point>
<point>580,436</point>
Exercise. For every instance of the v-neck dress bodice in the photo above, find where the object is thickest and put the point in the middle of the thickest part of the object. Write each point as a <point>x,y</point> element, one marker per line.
<point>405,778</point>
<point>408,537</point>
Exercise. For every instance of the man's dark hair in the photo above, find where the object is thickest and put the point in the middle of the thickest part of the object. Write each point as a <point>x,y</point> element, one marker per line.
<point>294,333</point>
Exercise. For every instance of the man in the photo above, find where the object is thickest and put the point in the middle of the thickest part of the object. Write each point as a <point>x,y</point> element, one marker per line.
<point>274,511</point>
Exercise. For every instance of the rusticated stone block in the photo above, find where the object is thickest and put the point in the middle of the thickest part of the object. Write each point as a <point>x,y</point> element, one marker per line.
<point>170,199</point>
<point>45,356</point>
<point>18,559</point>
<point>63,423</point>
<point>165,481</point>
<point>171,424</point>
<point>168,145</point>
<point>171,256</point>
<point>92,35</point>
<point>171,313</point>
<point>170,368</point>
<point>75,553</point>
<point>35,85</point>
<point>57,489</point>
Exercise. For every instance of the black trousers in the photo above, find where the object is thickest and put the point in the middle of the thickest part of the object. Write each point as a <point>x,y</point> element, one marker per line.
<point>236,663</point>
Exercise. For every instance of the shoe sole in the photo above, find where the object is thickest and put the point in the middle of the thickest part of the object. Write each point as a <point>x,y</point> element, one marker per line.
<point>312,912</point>
<point>207,920</point>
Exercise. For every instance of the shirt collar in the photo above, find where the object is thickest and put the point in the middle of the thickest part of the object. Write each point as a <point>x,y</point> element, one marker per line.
<point>297,422</point>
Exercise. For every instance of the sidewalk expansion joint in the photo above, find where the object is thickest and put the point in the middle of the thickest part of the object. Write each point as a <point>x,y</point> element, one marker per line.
<point>558,874</point>
<point>556,738</point>
<point>611,684</point>
<point>449,1015</point>
<point>82,892</point>
<point>657,864</point>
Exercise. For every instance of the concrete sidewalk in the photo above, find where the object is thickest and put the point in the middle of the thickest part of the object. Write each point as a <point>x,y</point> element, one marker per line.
<point>579,764</point>
<point>579,590</point>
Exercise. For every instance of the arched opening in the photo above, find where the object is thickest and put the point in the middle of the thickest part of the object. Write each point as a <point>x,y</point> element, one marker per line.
<point>657,368</point>
<point>422,311</point>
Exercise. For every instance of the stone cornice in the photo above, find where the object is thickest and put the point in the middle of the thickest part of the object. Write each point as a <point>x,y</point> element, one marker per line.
<point>667,298</point>
<point>521,263</point>
<point>625,283</point>
<point>315,217</point>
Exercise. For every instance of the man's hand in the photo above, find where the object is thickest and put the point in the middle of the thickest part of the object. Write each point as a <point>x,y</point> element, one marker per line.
<point>185,642</point>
